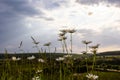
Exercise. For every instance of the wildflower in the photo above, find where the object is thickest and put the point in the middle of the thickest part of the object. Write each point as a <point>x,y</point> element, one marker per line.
<point>84,52</point>
<point>71,31</point>
<point>36,78</point>
<point>95,47</point>
<point>47,44</point>
<point>92,77</point>
<point>14,58</point>
<point>61,34</point>
<point>66,56</point>
<point>64,31</point>
<point>39,71</point>
<point>18,59</point>
<point>86,42</point>
<point>60,59</point>
<point>41,60</point>
<point>94,51</point>
<point>61,44</point>
<point>63,37</point>
<point>31,57</point>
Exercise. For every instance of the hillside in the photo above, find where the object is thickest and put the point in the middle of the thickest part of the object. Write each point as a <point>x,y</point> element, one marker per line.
<point>109,53</point>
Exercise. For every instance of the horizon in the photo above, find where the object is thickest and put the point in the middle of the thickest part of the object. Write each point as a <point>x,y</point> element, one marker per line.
<point>96,20</point>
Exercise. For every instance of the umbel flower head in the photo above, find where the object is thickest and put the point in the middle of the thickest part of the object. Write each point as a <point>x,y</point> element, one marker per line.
<point>47,44</point>
<point>15,59</point>
<point>71,30</point>
<point>41,60</point>
<point>64,30</point>
<point>92,76</point>
<point>86,42</point>
<point>61,34</point>
<point>95,47</point>
<point>63,37</point>
<point>31,57</point>
<point>36,78</point>
<point>60,59</point>
<point>66,56</point>
<point>84,52</point>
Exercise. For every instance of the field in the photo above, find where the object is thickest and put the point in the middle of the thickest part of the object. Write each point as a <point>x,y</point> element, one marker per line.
<point>46,66</point>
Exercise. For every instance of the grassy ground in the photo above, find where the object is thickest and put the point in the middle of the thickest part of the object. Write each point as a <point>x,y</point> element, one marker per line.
<point>26,70</point>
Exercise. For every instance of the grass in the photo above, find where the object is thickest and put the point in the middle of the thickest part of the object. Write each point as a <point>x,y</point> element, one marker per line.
<point>26,70</point>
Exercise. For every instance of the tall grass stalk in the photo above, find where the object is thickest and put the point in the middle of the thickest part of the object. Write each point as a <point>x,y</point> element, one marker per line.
<point>65,46</point>
<point>86,52</point>
<point>94,51</point>
<point>71,31</point>
<point>94,60</point>
<point>63,50</point>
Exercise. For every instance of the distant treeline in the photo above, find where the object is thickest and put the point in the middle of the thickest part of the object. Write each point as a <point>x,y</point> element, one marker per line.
<point>109,53</point>
<point>53,55</point>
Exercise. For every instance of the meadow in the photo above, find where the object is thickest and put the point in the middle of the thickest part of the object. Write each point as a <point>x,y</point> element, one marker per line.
<point>71,68</point>
<point>66,65</point>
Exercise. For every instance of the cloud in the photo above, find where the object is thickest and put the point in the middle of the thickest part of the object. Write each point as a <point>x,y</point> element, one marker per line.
<point>54,4</point>
<point>20,19</point>
<point>92,2</point>
<point>88,2</point>
<point>47,18</point>
<point>12,15</point>
<point>48,4</point>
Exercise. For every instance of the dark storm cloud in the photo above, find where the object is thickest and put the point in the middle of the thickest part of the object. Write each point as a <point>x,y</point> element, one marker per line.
<point>92,2</point>
<point>12,15</point>
<point>16,9</point>
<point>21,7</point>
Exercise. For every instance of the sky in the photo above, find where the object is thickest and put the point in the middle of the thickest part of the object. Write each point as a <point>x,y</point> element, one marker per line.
<point>94,20</point>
